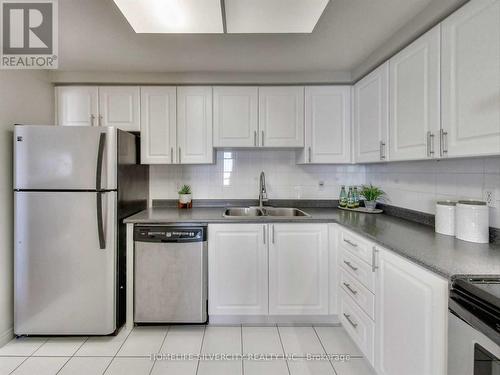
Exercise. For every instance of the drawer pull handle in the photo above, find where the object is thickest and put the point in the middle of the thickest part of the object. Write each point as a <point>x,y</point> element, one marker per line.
<point>351,243</point>
<point>350,265</point>
<point>348,286</point>
<point>348,317</point>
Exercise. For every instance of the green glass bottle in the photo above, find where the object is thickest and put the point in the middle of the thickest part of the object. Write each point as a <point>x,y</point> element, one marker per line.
<point>343,197</point>
<point>350,198</point>
<point>356,197</point>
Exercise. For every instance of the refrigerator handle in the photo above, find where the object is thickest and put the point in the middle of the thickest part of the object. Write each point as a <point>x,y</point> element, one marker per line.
<point>100,222</point>
<point>100,155</point>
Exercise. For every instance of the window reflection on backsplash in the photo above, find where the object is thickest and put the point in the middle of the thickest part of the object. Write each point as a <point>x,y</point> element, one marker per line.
<point>236,175</point>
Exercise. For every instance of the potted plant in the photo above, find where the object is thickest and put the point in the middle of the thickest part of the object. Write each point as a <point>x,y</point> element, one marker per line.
<point>371,194</point>
<point>185,197</point>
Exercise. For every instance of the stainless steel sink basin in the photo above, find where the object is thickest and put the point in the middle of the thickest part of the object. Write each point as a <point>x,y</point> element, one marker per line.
<point>271,212</point>
<point>284,212</point>
<point>243,212</point>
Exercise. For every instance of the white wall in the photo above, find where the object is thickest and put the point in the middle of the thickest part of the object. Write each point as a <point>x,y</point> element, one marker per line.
<point>418,185</point>
<point>25,97</point>
<point>236,175</point>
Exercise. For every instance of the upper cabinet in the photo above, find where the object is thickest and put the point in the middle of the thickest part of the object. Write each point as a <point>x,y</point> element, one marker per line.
<point>236,116</point>
<point>194,125</point>
<point>119,107</point>
<point>327,125</point>
<point>281,116</point>
<point>77,105</point>
<point>371,116</point>
<point>98,106</point>
<point>414,105</point>
<point>158,125</point>
<point>471,80</point>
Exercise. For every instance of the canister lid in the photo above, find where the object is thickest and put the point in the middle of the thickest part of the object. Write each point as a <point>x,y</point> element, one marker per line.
<point>447,203</point>
<point>472,202</point>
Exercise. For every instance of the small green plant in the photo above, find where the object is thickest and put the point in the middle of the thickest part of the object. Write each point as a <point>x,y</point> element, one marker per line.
<point>185,189</point>
<point>371,193</point>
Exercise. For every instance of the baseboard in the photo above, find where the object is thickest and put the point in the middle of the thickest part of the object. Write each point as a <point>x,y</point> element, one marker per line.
<point>274,319</point>
<point>6,336</point>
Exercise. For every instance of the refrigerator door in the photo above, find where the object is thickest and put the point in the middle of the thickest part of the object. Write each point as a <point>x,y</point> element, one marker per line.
<point>64,158</point>
<point>65,263</point>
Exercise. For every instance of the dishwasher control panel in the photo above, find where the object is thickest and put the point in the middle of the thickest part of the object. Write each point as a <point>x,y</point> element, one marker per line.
<point>169,234</point>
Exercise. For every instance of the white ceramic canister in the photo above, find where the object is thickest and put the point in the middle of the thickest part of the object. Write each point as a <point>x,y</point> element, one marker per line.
<point>472,221</point>
<point>445,217</point>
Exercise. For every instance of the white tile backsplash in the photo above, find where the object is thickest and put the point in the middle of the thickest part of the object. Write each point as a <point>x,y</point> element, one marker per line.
<point>235,175</point>
<point>418,185</point>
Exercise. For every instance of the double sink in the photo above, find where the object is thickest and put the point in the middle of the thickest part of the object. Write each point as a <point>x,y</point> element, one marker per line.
<point>269,212</point>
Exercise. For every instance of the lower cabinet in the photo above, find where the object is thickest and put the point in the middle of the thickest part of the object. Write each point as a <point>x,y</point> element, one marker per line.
<point>298,269</point>
<point>411,318</point>
<point>237,269</point>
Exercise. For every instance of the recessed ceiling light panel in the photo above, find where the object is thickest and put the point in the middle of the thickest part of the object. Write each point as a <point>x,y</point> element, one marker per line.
<point>173,16</point>
<point>273,16</point>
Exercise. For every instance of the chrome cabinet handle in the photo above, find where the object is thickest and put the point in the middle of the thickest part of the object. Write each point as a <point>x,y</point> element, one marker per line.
<point>255,137</point>
<point>348,317</point>
<point>382,150</point>
<point>428,144</point>
<point>264,233</point>
<point>444,142</point>
<point>374,258</point>
<point>349,264</point>
<point>431,141</point>
<point>310,155</point>
<point>348,286</point>
<point>273,233</point>
<point>351,243</point>
<point>171,155</point>
<point>92,118</point>
<point>179,155</point>
<point>262,138</point>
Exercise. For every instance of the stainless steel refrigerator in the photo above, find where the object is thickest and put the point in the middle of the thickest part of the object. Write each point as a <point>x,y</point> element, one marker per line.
<point>73,186</point>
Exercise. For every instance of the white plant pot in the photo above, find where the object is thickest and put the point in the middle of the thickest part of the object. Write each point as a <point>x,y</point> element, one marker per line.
<point>370,205</point>
<point>185,198</point>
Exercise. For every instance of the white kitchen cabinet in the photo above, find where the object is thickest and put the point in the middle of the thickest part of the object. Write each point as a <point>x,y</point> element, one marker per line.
<point>77,105</point>
<point>414,104</point>
<point>238,269</point>
<point>119,107</point>
<point>371,116</point>
<point>158,125</point>
<point>471,80</point>
<point>281,116</point>
<point>298,269</point>
<point>194,125</point>
<point>236,116</point>
<point>411,318</point>
<point>327,125</point>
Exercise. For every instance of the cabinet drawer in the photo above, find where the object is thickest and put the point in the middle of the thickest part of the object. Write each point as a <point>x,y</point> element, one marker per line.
<point>356,245</point>
<point>363,297</point>
<point>357,268</point>
<point>358,325</point>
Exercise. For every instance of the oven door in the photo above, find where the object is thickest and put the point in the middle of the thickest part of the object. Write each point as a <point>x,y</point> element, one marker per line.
<point>470,352</point>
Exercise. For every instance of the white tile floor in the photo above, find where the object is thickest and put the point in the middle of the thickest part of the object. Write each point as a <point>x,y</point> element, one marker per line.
<point>129,352</point>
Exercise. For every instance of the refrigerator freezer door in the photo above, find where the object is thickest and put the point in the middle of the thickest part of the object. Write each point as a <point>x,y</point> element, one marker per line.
<point>64,269</point>
<point>64,158</point>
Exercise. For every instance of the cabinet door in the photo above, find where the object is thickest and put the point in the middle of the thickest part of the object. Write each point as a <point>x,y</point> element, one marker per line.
<point>194,125</point>
<point>371,119</point>
<point>77,105</point>
<point>471,80</point>
<point>158,125</point>
<point>281,116</point>
<point>298,269</point>
<point>235,116</point>
<point>119,107</point>
<point>411,318</point>
<point>237,269</point>
<point>327,125</point>
<point>415,100</point>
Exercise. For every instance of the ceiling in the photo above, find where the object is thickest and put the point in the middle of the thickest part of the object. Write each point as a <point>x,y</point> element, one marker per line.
<point>95,36</point>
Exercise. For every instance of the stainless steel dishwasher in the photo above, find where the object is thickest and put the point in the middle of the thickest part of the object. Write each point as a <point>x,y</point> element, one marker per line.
<point>170,274</point>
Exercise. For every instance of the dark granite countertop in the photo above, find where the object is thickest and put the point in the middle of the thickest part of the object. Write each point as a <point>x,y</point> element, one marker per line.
<point>441,254</point>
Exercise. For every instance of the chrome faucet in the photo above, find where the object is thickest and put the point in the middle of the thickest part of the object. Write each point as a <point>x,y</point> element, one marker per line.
<point>262,189</point>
